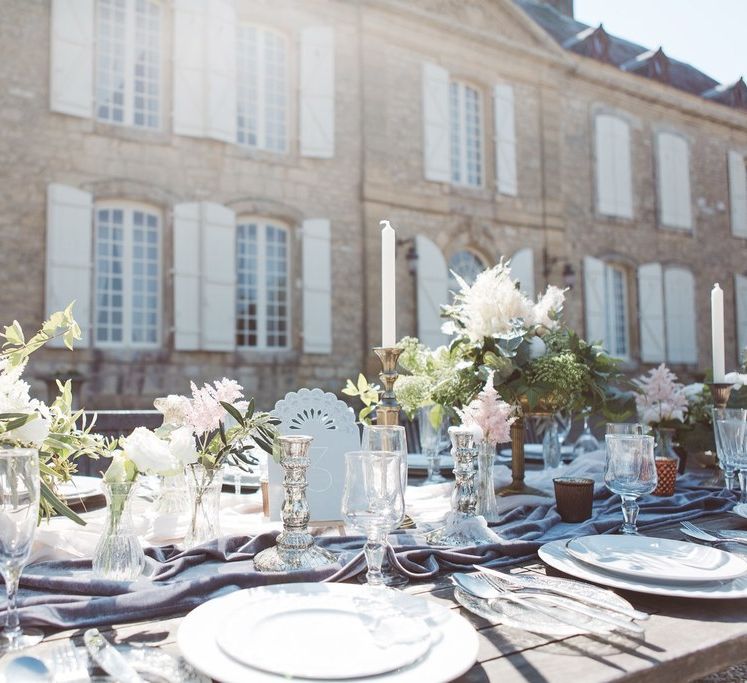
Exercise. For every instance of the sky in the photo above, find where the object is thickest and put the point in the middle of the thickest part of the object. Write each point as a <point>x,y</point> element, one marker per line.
<point>709,34</point>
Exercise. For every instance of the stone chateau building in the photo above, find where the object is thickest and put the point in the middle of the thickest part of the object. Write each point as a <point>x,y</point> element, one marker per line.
<point>206,179</point>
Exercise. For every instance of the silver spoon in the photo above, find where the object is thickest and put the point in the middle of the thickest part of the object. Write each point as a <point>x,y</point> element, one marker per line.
<point>27,669</point>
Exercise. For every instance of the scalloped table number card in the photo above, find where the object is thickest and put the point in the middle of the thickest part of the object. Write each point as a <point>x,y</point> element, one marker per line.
<point>332,425</point>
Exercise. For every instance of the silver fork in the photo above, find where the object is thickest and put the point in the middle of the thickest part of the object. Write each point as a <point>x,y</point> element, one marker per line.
<point>69,664</point>
<point>704,535</point>
<point>532,603</point>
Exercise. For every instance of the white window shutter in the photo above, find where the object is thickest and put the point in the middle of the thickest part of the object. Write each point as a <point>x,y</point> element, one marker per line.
<point>432,291</point>
<point>317,286</point>
<point>436,131</point>
<point>505,139</point>
<point>651,312</point>
<point>71,57</point>
<point>69,255</point>
<point>190,85</point>
<point>679,297</point>
<point>594,299</point>
<point>220,65</point>
<point>522,269</point>
<point>740,289</point>
<point>673,179</point>
<point>218,278</point>
<point>605,166</point>
<point>738,194</point>
<point>317,105</point>
<point>187,230</point>
<point>623,170</point>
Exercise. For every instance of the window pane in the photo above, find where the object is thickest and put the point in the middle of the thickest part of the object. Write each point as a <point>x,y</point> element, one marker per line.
<point>247,66</point>
<point>467,266</point>
<point>473,145</point>
<point>466,134</point>
<point>262,98</point>
<point>456,132</point>
<point>246,285</point>
<point>617,315</point>
<point>110,60</point>
<point>145,277</point>
<point>276,260</point>
<point>109,249</point>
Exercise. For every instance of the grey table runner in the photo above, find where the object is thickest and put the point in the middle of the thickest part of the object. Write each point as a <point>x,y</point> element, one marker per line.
<point>64,595</point>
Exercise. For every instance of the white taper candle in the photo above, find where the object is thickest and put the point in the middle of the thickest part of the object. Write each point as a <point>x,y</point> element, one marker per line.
<point>388,286</point>
<point>717,333</point>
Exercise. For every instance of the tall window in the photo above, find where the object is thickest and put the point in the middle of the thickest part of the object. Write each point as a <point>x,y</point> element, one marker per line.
<point>465,264</point>
<point>262,97</point>
<point>128,68</point>
<point>616,298</point>
<point>262,296</point>
<point>128,276</point>
<point>465,105</point>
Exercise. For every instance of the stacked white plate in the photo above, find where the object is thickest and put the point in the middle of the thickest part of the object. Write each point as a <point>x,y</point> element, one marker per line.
<point>316,631</point>
<point>418,462</point>
<point>235,475</point>
<point>80,488</point>
<point>740,510</point>
<point>650,565</point>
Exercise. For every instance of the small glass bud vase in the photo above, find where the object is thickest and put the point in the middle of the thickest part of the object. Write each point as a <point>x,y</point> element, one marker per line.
<point>172,494</point>
<point>667,462</point>
<point>204,486</point>
<point>463,526</point>
<point>118,555</point>
<point>295,549</point>
<point>486,502</point>
<point>551,452</point>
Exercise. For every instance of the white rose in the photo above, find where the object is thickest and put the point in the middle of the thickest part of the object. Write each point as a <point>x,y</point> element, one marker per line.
<point>116,473</point>
<point>150,454</point>
<point>182,446</point>
<point>34,432</point>
<point>735,378</point>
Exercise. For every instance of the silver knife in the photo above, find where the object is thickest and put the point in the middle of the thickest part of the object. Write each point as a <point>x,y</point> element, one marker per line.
<point>109,659</point>
<point>557,590</point>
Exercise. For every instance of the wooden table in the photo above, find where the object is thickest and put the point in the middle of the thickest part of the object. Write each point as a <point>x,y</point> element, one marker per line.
<point>684,639</point>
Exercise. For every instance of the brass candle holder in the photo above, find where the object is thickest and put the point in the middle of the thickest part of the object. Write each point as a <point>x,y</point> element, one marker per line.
<point>720,392</point>
<point>387,412</point>
<point>518,465</point>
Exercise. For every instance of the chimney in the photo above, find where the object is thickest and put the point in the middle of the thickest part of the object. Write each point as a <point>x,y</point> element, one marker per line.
<point>563,6</point>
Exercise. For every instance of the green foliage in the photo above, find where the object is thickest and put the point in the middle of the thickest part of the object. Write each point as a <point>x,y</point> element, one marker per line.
<point>16,349</point>
<point>368,394</point>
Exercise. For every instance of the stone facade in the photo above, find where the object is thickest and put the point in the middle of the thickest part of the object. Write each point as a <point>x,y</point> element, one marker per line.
<point>376,172</point>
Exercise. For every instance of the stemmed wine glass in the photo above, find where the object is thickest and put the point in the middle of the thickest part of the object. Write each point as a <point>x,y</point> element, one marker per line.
<point>390,438</point>
<point>630,472</point>
<point>564,420</point>
<point>431,438</point>
<point>727,453</point>
<point>373,502</point>
<point>730,435</point>
<point>19,515</point>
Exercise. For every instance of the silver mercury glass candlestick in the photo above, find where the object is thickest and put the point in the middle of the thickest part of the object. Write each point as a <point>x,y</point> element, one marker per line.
<point>463,526</point>
<point>295,549</point>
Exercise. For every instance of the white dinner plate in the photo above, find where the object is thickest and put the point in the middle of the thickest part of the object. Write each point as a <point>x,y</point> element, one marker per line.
<point>453,640</point>
<point>370,638</point>
<point>656,559</point>
<point>532,452</point>
<point>556,555</point>
<point>740,510</point>
<point>417,461</point>
<point>80,487</point>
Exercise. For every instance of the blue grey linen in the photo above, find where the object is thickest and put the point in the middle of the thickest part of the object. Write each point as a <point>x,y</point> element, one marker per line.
<point>63,595</point>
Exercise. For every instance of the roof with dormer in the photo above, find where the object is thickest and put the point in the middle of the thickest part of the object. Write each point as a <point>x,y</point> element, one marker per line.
<point>597,43</point>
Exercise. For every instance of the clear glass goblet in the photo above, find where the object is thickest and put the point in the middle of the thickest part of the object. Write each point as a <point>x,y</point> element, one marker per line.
<point>630,472</point>
<point>392,439</point>
<point>373,502</point>
<point>725,460</point>
<point>431,439</point>
<point>19,515</point>
<point>730,435</point>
